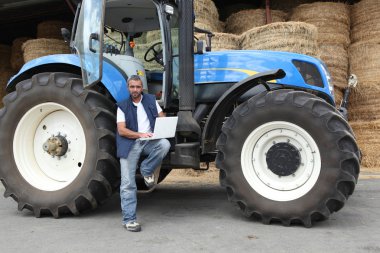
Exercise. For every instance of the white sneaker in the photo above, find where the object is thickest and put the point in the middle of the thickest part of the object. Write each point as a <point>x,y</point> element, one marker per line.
<point>149,181</point>
<point>133,226</point>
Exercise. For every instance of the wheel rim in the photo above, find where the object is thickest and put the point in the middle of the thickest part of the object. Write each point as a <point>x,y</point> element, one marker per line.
<point>276,137</point>
<point>49,172</point>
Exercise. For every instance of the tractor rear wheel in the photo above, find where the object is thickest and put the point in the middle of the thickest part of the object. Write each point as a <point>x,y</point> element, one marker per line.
<point>288,156</point>
<point>57,146</point>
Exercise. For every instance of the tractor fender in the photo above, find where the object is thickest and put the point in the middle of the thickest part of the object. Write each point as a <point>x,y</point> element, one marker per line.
<point>217,115</point>
<point>114,79</point>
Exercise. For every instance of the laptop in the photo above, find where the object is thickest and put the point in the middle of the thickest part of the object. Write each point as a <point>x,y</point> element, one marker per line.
<point>164,128</point>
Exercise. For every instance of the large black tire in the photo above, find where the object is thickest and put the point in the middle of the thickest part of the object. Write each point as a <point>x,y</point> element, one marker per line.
<point>90,172</point>
<point>271,179</point>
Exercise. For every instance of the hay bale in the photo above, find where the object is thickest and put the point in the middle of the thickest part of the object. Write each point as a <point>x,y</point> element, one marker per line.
<point>366,21</point>
<point>51,29</point>
<point>5,55</point>
<point>296,37</point>
<point>365,102</point>
<point>207,16</point>
<point>367,136</point>
<point>245,20</point>
<point>17,58</point>
<point>365,61</point>
<point>41,47</point>
<point>335,56</point>
<point>331,19</point>
<point>222,41</point>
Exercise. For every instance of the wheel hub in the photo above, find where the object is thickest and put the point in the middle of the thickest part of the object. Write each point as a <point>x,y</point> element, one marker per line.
<point>283,159</point>
<point>56,146</point>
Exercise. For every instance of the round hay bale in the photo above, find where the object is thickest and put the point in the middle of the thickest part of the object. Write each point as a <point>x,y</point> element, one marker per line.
<point>335,56</point>
<point>331,19</point>
<point>296,37</point>
<point>366,21</point>
<point>41,47</point>
<point>222,41</point>
<point>5,55</point>
<point>365,61</point>
<point>207,16</point>
<point>367,136</point>
<point>245,20</point>
<point>51,29</point>
<point>365,102</point>
<point>17,58</point>
<point>338,94</point>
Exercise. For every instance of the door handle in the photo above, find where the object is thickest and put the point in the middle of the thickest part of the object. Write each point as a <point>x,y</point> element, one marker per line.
<point>93,36</point>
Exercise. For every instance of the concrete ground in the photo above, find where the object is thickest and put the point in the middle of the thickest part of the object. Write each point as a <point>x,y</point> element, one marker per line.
<point>190,213</point>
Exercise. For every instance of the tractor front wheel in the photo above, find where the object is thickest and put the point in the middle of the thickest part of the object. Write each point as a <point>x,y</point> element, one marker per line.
<point>57,146</point>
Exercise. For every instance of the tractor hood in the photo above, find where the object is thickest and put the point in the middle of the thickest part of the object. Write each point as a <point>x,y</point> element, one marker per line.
<point>234,66</point>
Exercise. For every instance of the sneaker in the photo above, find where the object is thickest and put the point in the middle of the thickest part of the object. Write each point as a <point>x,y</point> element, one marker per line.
<point>133,226</point>
<point>149,181</point>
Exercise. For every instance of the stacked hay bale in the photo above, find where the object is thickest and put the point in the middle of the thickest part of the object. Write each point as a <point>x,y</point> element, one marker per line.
<point>17,58</point>
<point>364,112</point>
<point>245,20</point>
<point>333,23</point>
<point>207,16</point>
<point>51,29</point>
<point>41,47</point>
<point>222,41</point>
<point>6,71</point>
<point>296,37</point>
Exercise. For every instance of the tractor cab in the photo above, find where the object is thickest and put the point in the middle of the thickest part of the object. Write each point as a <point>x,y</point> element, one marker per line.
<point>138,37</point>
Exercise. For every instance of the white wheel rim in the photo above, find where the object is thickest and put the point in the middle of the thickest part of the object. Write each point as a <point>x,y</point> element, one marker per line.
<point>37,167</point>
<point>262,179</point>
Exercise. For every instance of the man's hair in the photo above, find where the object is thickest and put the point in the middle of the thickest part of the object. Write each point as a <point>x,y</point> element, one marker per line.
<point>134,78</point>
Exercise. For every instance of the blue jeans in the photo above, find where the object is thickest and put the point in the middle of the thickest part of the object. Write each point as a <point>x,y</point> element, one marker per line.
<point>156,150</point>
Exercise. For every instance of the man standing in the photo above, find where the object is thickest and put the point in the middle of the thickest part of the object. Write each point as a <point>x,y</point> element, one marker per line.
<point>136,117</point>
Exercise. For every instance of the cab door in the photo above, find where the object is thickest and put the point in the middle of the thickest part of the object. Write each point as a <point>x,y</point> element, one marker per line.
<point>89,40</point>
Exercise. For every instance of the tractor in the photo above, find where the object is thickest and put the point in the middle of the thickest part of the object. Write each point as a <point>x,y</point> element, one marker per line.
<point>267,119</point>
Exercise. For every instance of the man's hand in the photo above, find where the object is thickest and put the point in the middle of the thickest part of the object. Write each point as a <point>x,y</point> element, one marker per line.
<point>145,135</point>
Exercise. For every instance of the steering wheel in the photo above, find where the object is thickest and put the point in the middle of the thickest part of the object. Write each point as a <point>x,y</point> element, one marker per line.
<point>156,50</point>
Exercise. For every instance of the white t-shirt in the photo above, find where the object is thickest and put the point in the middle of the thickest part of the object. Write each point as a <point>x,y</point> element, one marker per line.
<point>142,118</point>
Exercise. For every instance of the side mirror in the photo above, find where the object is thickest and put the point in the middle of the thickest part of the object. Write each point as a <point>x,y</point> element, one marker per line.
<point>200,47</point>
<point>66,34</point>
<point>169,9</point>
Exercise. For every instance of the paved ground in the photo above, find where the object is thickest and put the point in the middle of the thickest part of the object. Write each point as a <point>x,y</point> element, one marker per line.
<point>192,215</point>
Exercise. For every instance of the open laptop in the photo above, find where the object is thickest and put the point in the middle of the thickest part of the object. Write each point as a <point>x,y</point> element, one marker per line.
<point>164,128</point>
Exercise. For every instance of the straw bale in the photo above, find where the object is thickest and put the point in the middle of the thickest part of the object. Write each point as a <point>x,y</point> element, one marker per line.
<point>245,20</point>
<point>51,29</point>
<point>367,136</point>
<point>222,41</point>
<point>5,75</point>
<point>41,47</point>
<point>335,56</point>
<point>297,37</point>
<point>365,61</point>
<point>338,94</point>
<point>17,58</point>
<point>365,101</point>
<point>365,21</point>
<point>331,19</point>
<point>207,16</point>
<point>5,54</point>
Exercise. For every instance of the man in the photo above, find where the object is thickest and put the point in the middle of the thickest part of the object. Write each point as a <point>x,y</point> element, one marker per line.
<point>136,118</point>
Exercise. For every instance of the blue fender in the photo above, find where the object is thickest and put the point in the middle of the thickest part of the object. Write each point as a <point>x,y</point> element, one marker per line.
<point>112,79</point>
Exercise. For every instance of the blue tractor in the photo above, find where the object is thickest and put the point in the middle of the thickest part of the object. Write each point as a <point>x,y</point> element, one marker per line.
<point>268,119</point>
